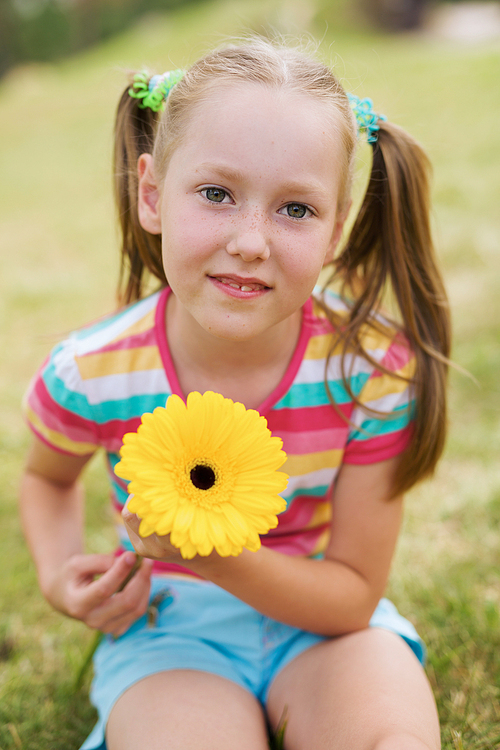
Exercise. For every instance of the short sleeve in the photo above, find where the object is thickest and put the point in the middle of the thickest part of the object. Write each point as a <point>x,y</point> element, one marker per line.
<point>381,427</point>
<point>57,408</point>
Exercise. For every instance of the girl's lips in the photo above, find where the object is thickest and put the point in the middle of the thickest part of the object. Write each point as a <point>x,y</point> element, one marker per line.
<point>243,285</point>
<point>240,288</point>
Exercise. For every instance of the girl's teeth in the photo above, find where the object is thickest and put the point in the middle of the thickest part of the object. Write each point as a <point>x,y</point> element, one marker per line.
<point>243,288</point>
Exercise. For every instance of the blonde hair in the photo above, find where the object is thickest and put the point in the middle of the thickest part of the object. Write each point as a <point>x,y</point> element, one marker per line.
<point>389,247</point>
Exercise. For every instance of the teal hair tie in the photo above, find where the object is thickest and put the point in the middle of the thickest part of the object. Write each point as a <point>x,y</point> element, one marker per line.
<point>366,118</point>
<point>153,91</point>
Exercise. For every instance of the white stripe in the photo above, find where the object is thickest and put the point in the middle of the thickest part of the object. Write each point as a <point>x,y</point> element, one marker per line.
<point>337,304</point>
<point>66,369</point>
<point>313,370</point>
<point>319,478</point>
<point>125,385</point>
<point>386,405</point>
<point>108,333</point>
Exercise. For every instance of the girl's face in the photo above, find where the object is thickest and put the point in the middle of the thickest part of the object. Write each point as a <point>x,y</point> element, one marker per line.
<point>247,209</point>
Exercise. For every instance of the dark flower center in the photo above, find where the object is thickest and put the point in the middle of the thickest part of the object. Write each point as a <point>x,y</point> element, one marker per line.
<point>202,476</point>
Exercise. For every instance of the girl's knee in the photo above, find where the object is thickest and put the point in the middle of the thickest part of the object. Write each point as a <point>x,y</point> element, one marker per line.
<point>403,741</point>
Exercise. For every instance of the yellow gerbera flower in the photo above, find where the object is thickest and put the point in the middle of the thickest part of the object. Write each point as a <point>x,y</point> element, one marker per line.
<point>205,473</point>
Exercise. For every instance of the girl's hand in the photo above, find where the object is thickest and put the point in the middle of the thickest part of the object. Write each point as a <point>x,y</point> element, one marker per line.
<point>97,602</point>
<point>154,547</point>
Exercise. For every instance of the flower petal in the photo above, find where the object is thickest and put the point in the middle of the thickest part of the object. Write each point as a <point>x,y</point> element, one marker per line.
<point>244,502</point>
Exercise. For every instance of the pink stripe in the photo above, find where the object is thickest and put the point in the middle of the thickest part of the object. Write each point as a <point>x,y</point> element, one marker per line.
<point>295,545</point>
<point>146,338</point>
<point>111,433</point>
<point>122,483</point>
<point>161,567</point>
<point>379,448</point>
<point>49,444</point>
<point>307,419</point>
<point>56,418</point>
<point>161,338</point>
<point>398,355</point>
<point>297,515</point>
<point>314,441</point>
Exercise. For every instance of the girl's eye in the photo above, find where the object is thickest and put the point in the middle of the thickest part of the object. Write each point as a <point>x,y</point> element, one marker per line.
<point>214,194</point>
<point>296,210</point>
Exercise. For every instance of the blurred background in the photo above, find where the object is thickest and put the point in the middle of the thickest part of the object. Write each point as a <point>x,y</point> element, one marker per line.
<point>432,67</point>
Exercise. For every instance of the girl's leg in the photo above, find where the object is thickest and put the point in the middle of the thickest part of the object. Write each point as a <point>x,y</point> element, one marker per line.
<point>363,691</point>
<point>186,710</point>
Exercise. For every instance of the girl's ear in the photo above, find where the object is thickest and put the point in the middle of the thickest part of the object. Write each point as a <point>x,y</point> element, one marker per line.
<point>148,196</point>
<point>336,235</point>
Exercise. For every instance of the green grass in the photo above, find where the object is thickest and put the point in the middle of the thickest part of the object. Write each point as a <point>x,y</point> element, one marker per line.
<point>59,268</point>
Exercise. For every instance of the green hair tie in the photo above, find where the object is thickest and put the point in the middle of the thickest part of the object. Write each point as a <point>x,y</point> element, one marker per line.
<point>153,91</point>
<point>366,118</point>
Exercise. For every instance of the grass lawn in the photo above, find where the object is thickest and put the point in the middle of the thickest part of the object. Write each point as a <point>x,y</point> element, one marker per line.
<point>59,269</point>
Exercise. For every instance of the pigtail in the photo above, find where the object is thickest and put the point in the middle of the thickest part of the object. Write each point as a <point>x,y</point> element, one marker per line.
<point>390,248</point>
<point>141,251</point>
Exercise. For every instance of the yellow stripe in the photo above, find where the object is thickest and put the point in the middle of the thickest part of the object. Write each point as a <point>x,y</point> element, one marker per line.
<point>371,340</point>
<point>140,326</point>
<point>386,384</point>
<point>118,362</point>
<point>318,347</point>
<point>322,514</point>
<point>322,542</point>
<point>296,465</point>
<point>58,440</point>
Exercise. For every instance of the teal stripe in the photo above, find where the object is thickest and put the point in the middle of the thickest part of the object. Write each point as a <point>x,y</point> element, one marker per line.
<point>85,333</point>
<point>120,494</point>
<point>130,408</point>
<point>113,459</point>
<point>107,411</point>
<point>319,491</point>
<point>63,396</point>
<point>307,395</point>
<point>396,421</point>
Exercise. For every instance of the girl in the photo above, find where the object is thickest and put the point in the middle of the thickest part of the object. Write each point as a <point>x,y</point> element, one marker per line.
<point>234,197</point>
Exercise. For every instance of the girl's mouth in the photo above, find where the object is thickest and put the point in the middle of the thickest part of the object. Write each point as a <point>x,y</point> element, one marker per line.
<point>243,285</point>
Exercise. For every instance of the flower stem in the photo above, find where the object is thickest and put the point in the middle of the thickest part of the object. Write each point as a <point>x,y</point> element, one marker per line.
<point>87,659</point>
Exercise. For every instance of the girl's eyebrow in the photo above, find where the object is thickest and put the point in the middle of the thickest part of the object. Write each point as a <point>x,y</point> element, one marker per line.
<point>310,188</point>
<point>221,170</point>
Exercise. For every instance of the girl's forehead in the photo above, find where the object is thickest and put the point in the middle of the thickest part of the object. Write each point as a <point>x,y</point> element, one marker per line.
<point>244,107</point>
<point>256,96</point>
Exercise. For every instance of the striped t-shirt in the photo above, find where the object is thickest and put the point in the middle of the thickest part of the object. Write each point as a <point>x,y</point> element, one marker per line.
<point>96,385</point>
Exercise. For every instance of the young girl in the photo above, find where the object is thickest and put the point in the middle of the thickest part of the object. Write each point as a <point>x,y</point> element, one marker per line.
<point>233,183</point>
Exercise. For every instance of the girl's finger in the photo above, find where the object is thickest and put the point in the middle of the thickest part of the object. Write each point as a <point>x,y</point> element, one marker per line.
<point>124,607</point>
<point>131,520</point>
<point>84,566</point>
<point>118,625</point>
<point>109,583</point>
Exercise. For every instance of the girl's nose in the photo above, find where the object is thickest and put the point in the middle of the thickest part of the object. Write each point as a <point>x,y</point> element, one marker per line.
<point>249,244</point>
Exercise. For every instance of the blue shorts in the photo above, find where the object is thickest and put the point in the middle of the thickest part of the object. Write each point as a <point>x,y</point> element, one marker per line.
<point>197,625</point>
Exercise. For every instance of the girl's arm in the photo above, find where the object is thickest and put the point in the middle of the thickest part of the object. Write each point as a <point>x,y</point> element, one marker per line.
<point>331,596</point>
<point>51,505</point>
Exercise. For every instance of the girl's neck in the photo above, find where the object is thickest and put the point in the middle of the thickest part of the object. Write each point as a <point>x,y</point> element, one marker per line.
<point>245,371</point>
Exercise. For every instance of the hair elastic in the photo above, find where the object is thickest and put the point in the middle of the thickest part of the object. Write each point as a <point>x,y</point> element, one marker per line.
<point>154,91</point>
<point>366,118</point>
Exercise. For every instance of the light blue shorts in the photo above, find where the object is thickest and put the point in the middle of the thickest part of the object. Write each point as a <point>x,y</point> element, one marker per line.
<point>197,625</point>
